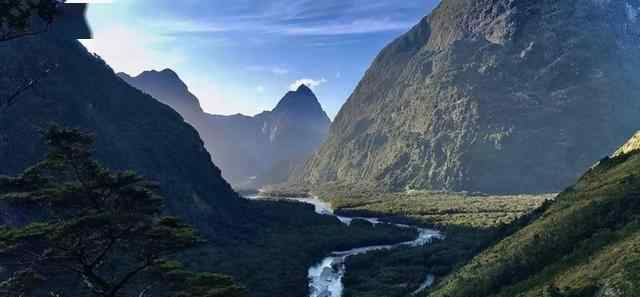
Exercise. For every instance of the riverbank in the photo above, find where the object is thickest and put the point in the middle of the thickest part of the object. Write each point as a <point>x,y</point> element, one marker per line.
<point>326,277</point>
<point>273,253</point>
<point>438,210</point>
<point>471,223</point>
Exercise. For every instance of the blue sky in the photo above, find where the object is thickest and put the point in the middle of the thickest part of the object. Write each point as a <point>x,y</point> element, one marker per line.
<point>241,56</point>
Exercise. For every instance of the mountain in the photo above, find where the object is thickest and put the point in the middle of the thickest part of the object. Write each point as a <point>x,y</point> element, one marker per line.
<point>585,243</point>
<point>492,96</point>
<point>133,131</point>
<point>268,246</point>
<point>251,151</point>
<point>169,86</point>
<point>632,145</point>
<point>292,131</point>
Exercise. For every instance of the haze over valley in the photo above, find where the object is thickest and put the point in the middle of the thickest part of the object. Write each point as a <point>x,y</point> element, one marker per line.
<point>454,148</point>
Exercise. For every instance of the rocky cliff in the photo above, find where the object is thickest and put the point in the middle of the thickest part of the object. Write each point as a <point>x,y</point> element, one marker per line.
<point>133,130</point>
<point>493,96</point>
<point>251,151</point>
<point>630,146</point>
<point>293,131</point>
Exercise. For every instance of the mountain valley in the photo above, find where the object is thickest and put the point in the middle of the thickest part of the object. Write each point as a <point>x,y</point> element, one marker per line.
<point>252,151</point>
<point>487,152</point>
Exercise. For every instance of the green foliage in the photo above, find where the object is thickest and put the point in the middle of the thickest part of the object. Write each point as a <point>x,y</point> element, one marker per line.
<point>586,241</point>
<point>443,210</point>
<point>273,254</point>
<point>16,16</point>
<point>471,223</point>
<point>104,227</point>
<point>185,283</point>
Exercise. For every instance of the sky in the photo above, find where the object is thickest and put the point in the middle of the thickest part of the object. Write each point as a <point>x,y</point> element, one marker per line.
<point>242,56</point>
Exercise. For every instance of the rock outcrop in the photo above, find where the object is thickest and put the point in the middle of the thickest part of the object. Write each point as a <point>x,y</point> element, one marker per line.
<point>630,146</point>
<point>493,96</point>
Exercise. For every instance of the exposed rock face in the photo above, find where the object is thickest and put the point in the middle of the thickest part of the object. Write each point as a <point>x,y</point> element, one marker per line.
<point>266,148</point>
<point>631,146</point>
<point>133,131</point>
<point>251,151</point>
<point>292,131</point>
<point>491,95</point>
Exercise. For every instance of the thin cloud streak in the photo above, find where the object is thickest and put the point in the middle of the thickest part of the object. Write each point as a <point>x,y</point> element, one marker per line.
<point>364,26</point>
<point>359,26</point>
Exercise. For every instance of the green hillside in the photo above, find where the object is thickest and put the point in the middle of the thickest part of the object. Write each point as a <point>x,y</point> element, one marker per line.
<point>585,243</point>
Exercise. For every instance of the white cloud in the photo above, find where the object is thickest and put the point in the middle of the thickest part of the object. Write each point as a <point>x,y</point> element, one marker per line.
<point>260,89</point>
<point>311,83</point>
<point>265,25</point>
<point>360,26</point>
<point>188,26</point>
<point>130,51</point>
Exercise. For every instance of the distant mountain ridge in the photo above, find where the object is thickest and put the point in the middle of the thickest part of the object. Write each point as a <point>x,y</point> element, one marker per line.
<point>170,86</point>
<point>490,96</point>
<point>251,151</point>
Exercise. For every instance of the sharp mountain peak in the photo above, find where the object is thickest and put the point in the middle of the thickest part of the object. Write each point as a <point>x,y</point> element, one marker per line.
<point>302,100</point>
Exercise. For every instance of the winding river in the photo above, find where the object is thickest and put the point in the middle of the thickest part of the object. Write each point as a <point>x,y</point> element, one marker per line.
<point>325,278</point>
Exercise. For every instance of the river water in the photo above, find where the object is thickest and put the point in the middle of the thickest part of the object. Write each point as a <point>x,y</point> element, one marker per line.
<point>325,278</point>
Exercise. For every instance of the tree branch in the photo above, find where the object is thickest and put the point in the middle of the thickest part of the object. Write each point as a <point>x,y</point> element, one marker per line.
<point>128,277</point>
<point>104,252</point>
<point>9,37</point>
<point>144,291</point>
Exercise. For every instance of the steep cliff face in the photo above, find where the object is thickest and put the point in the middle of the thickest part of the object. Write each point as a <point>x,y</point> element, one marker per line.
<point>251,151</point>
<point>491,95</point>
<point>293,130</point>
<point>630,146</point>
<point>264,149</point>
<point>133,131</point>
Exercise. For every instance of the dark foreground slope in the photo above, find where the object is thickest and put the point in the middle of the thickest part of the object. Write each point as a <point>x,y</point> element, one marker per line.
<point>251,151</point>
<point>585,244</point>
<point>133,131</point>
<point>493,96</point>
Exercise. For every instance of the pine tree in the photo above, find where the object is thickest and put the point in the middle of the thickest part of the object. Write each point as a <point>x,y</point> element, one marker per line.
<point>101,227</point>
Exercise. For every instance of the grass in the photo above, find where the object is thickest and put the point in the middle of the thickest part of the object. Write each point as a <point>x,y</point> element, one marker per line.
<point>472,223</point>
<point>585,242</point>
<point>437,209</point>
<point>271,255</point>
